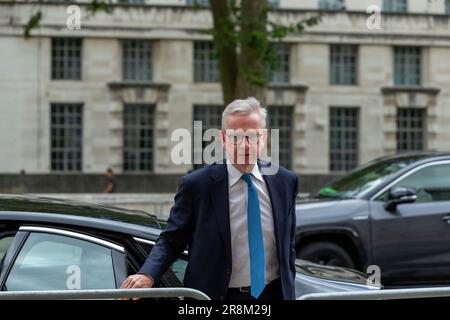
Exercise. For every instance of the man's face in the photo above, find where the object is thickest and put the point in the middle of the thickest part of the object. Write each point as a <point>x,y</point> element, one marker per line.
<point>243,138</point>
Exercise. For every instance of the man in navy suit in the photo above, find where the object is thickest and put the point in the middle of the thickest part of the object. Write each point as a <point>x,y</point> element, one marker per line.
<point>235,217</point>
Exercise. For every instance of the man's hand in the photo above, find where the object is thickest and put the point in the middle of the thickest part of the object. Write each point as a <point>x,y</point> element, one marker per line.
<point>137,281</point>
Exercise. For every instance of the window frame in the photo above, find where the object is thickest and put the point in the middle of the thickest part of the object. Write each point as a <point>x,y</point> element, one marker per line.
<point>118,253</point>
<point>279,75</point>
<point>357,111</point>
<point>392,6</point>
<point>214,112</point>
<point>338,73</point>
<point>379,194</point>
<point>331,5</point>
<point>58,73</point>
<point>169,274</point>
<point>205,70</point>
<point>409,117</point>
<point>132,129</point>
<point>76,162</point>
<point>132,64</point>
<point>290,115</point>
<point>403,73</point>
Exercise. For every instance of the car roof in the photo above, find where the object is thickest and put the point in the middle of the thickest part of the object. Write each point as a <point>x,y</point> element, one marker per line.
<point>34,209</point>
<point>422,156</point>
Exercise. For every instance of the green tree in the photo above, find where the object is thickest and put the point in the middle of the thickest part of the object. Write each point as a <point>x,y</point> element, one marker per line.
<point>243,35</point>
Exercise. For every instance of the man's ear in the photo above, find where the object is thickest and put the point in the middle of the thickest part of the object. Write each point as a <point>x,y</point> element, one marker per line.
<point>222,136</point>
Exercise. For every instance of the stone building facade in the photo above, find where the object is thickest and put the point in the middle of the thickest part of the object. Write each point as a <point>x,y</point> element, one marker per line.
<point>346,90</point>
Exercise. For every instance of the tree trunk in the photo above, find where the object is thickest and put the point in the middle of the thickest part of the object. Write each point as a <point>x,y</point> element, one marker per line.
<point>251,66</point>
<point>226,47</point>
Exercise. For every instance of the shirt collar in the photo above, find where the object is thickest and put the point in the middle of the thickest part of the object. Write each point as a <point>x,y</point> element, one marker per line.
<point>234,174</point>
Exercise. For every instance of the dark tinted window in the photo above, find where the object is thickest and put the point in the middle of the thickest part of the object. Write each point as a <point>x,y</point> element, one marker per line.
<point>53,262</point>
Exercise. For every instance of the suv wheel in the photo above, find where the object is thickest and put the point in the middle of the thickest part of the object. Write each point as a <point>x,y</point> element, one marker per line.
<point>326,253</point>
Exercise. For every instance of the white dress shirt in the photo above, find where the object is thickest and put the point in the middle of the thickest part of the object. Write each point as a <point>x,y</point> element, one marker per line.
<point>238,198</point>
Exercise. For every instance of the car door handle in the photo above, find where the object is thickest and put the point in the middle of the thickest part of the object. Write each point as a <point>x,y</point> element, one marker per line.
<point>446,218</point>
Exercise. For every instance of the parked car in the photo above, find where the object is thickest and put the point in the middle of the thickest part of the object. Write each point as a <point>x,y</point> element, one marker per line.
<point>45,242</point>
<point>393,212</point>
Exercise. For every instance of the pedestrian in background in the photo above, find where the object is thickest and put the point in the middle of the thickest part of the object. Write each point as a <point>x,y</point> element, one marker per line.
<point>111,181</point>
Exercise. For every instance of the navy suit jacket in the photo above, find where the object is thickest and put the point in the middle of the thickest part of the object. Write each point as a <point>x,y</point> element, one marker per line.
<point>200,221</point>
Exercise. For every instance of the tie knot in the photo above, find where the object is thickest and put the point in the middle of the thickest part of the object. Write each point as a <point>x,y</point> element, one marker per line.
<point>247,178</point>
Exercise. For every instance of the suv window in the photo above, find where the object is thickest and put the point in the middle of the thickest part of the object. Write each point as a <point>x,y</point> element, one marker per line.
<point>55,262</point>
<point>431,183</point>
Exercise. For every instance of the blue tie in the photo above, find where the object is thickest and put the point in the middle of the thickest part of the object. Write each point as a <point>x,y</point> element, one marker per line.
<point>255,240</point>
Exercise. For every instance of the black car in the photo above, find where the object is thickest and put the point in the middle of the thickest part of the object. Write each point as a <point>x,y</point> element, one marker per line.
<point>48,244</point>
<point>393,212</point>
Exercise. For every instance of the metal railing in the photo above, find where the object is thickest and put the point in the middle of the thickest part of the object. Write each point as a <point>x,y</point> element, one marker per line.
<point>385,294</point>
<point>104,294</point>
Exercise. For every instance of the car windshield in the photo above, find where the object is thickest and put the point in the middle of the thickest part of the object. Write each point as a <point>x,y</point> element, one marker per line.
<point>363,180</point>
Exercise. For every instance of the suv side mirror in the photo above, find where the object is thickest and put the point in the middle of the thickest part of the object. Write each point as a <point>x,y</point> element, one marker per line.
<point>398,196</point>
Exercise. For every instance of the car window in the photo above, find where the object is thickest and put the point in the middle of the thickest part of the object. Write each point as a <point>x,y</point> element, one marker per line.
<point>4,245</point>
<point>179,268</point>
<point>175,274</point>
<point>366,178</point>
<point>431,183</point>
<point>54,262</point>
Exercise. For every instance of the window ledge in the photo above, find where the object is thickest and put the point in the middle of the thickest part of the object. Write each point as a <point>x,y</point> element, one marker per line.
<point>138,84</point>
<point>410,89</point>
<point>287,86</point>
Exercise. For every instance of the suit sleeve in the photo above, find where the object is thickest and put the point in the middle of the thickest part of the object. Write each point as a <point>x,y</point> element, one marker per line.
<point>293,228</point>
<point>174,239</point>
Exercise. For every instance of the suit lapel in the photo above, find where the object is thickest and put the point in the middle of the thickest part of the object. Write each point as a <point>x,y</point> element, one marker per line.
<point>275,193</point>
<point>219,199</point>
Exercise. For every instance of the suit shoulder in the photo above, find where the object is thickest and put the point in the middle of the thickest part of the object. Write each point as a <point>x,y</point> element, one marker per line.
<point>281,171</point>
<point>199,175</point>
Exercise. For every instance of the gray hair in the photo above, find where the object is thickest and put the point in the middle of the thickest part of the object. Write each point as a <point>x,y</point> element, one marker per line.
<point>244,106</point>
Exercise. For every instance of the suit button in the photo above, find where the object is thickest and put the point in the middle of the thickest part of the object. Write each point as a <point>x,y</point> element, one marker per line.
<point>228,271</point>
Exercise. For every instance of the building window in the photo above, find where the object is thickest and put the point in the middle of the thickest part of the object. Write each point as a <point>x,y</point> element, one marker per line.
<point>343,64</point>
<point>281,73</point>
<point>138,137</point>
<point>407,66</point>
<point>137,60</point>
<point>210,117</point>
<point>200,3</point>
<point>395,5</point>
<point>344,132</point>
<point>205,3</point>
<point>447,6</point>
<point>411,129</point>
<point>206,68</point>
<point>66,59</point>
<point>280,117</point>
<point>66,135</point>
<point>273,3</point>
<point>331,5</point>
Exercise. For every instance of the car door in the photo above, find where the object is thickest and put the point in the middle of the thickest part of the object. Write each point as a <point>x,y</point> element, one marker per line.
<point>174,276</point>
<point>41,258</point>
<point>411,244</point>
